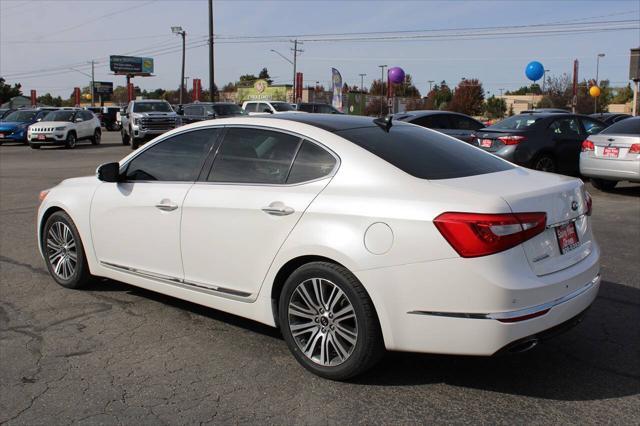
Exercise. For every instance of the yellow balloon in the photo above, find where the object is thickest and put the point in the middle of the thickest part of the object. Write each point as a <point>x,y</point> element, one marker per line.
<point>594,91</point>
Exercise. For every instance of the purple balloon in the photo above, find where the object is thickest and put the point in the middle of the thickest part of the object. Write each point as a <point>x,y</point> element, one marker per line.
<point>396,75</point>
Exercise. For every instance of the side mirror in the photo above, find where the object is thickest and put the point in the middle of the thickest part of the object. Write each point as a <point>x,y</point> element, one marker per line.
<point>39,119</point>
<point>109,172</point>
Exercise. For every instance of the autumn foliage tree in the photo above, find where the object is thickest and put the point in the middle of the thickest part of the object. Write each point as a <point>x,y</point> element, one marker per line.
<point>468,98</point>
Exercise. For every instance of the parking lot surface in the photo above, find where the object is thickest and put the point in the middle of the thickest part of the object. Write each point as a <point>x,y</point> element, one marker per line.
<point>116,354</point>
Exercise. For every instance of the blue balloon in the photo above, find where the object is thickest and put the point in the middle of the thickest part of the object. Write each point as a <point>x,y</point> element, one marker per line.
<point>534,71</point>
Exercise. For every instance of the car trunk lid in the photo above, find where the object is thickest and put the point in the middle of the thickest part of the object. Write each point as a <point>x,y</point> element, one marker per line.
<point>488,139</point>
<point>613,147</point>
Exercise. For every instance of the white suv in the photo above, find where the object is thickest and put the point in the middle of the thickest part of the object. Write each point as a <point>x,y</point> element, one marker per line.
<point>267,107</point>
<point>65,127</point>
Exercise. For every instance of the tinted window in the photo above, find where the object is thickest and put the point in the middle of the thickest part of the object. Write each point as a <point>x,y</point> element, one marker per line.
<point>464,123</point>
<point>251,107</point>
<point>254,156</point>
<point>21,116</point>
<point>312,162</point>
<point>325,109</point>
<point>517,122</point>
<point>592,127</point>
<point>629,126</point>
<point>423,153</point>
<point>282,106</point>
<point>305,107</point>
<point>177,159</point>
<point>436,121</point>
<point>60,116</point>
<point>190,110</point>
<point>152,107</point>
<point>86,115</point>
<point>566,128</point>
<point>262,107</point>
<point>226,109</point>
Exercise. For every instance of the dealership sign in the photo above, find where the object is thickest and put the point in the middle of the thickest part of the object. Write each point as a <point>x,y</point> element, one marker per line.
<point>131,65</point>
<point>261,91</point>
<point>103,87</point>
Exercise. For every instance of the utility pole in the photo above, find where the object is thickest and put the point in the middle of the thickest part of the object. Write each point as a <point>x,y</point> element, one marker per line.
<point>430,85</point>
<point>382,67</point>
<point>595,101</point>
<point>544,79</point>
<point>93,85</point>
<point>211,70</point>
<point>295,57</point>
<point>183,33</point>
<point>362,82</point>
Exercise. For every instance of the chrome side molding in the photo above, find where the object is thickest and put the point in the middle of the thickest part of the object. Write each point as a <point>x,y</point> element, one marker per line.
<point>204,288</point>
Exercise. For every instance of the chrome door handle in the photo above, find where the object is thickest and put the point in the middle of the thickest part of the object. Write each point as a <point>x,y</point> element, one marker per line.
<point>166,205</point>
<point>277,208</point>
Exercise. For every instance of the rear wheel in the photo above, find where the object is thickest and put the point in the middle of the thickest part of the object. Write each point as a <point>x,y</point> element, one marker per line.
<point>545,163</point>
<point>71,141</point>
<point>604,184</point>
<point>97,136</point>
<point>329,321</point>
<point>64,252</point>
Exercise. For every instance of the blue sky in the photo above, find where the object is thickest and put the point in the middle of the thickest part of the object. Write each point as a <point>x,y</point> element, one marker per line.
<point>38,35</point>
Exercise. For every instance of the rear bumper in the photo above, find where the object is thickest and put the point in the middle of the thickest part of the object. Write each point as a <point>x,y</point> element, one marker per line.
<point>605,168</point>
<point>454,306</point>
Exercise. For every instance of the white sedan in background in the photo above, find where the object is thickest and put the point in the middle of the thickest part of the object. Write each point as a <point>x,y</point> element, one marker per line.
<point>350,234</point>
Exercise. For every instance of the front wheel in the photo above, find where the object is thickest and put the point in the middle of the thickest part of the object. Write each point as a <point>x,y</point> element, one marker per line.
<point>125,137</point>
<point>329,322</point>
<point>64,252</point>
<point>71,141</point>
<point>545,163</point>
<point>135,143</point>
<point>604,184</point>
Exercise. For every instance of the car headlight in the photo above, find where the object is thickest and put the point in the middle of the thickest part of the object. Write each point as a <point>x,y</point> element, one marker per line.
<point>60,128</point>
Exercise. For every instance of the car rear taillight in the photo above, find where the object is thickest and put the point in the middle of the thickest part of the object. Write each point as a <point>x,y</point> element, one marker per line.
<point>511,140</point>
<point>479,234</point>
<point>587,145</point>
<point>634,149</point>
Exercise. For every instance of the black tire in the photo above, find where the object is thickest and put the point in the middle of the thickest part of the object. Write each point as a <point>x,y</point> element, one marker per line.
<point>34,146</point>
<point>368,348</point>
<point>72,141</point>
<point>126,140</point>
<point>604,184</point>
<point>135,143</point>
<point>97,136</point>
<point>80,275</point>
<point>545,163</point>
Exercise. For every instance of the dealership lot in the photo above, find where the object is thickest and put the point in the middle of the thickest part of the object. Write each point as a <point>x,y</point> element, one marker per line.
<point>115,353</point>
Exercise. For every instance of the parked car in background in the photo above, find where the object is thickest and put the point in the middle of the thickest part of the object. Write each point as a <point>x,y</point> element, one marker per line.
<point>545,110</point>
<point>108,118</point>
<point>609,118</point>
<point>146,119</point>
<point>4,112</point>
<point>14,127</point>
<point>549,142</point>
<point>207,110</point>
<point>347,233</point>
<point>65,127</point>
<point>317,108</point>
<point>267,107</point>
<point>613,155</point>
<point>459,126</point>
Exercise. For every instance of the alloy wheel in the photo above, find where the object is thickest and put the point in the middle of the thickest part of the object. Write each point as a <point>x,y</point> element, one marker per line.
<point>545,164</point>
<point>322,322</point>
<point>62,250</point>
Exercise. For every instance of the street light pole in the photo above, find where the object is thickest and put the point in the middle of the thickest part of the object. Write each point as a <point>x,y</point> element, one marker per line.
<point>93,85</point>
<point>362,82</point>
<point>183,33</point>
<point>382,67</point>
<point>430,85</point>
<point>211,69</point>
<point>595,101</point>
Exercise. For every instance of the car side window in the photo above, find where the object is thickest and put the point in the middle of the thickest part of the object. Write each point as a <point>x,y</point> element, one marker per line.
<point>312,162</point>
<point>254,156</point>
<point>436,121</point>
<point>592,127</point>
<point>463,123</point>
<point>188,110</point>
<point>262,107</point>
<point>566,128</point>
<point>86,115</point>
<point>176,159</point>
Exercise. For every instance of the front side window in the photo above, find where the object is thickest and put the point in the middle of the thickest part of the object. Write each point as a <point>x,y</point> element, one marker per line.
<point>282,106</point>
<point>251,107</point>
<point>254,156</point>
<point>312,162</point>
<point>435,121</point>
<point>262,107</point>
<point>464,123</point>
<point>424,153</point>
<point>176,159</point>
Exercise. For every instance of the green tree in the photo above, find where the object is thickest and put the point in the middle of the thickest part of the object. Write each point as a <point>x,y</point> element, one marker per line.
<point>622,95</point>
<point>49,100</point>
<point>264,74</point>
<point>496,107</point>
<point>525,90</point>
<point>439,96</point>
<point>247,80</point>
<point>7,91</point>
<point>468,98</point>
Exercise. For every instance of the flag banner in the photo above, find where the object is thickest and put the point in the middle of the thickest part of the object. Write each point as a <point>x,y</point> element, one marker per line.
<point>336,88</point>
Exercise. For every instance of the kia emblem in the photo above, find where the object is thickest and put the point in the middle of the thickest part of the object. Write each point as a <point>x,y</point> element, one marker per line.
<point>574,205</point>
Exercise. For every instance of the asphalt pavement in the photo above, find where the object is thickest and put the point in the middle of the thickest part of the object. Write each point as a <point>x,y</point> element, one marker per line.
<point>116,354</point>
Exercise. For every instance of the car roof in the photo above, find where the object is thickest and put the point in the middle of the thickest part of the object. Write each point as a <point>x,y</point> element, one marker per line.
<point>148,100</point>
<point>330,122</point>
<point>426,112</point>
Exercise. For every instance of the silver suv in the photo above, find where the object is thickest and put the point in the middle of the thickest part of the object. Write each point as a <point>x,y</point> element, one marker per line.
<point>145,119</point>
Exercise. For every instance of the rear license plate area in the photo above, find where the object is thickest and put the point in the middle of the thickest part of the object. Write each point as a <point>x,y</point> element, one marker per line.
<point>567,237</point>
<point>611,151</point>
<point>486,143</point>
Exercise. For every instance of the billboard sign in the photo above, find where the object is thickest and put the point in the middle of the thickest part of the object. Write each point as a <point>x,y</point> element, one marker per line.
<point>103,87</point>
<point>261,91</point>
<point>131,65</point>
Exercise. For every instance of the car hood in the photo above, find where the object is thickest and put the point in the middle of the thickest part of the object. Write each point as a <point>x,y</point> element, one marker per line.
<point>154,114</point>
<point>44,124</point>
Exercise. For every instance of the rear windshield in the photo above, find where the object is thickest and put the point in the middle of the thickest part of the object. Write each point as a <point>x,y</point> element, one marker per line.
<point>628,126</point>
<point>424,153</point>
<point>152,107</point>
<point>516,122</point>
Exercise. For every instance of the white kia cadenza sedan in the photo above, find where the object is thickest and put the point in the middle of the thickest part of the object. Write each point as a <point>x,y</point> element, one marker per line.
<point>350,234</point>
